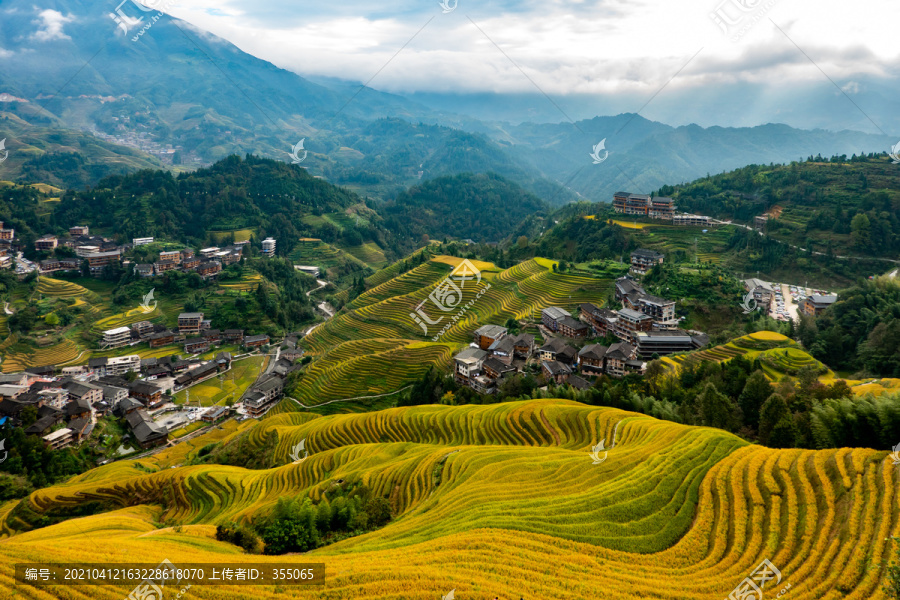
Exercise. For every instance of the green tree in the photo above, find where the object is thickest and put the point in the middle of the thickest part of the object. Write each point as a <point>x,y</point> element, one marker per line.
<point>756,391</point>
<point>773,412</point>
<point>717,409</point>
<point>861,232</point>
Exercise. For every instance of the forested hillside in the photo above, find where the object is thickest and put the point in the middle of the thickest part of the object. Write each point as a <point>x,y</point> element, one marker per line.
<point>269,197</point>
<point>841,206</point>
<point>483,207</point>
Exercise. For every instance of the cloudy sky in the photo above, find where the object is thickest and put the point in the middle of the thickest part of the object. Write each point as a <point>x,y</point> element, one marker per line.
<point>563,46</point>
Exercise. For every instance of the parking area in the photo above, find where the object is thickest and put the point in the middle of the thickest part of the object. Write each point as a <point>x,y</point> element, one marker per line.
<point>787,300</point>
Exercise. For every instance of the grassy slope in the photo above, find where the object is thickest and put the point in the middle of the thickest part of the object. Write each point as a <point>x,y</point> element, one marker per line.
<point>504,500</point>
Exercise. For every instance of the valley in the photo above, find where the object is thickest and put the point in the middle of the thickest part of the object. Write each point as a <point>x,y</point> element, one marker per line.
<point>459,301</point>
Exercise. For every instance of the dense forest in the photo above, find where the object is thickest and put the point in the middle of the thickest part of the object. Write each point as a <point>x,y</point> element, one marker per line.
<point>861,331</point>
<point>266,195</point>
<point>483,207</point>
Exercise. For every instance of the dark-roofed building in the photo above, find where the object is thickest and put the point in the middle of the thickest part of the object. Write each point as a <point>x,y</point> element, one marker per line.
<point>496,369</point>
<point>147,433</point>
<point>488,334</point>
<point>196,345</point>
<point>628,292</point>
<point>163,338</point>
<point>816,304</point>
<point>213,336</point>
<point>263,394</point>
<point>523,344</point>
<point>660,310</point>
<point>189,323</point>
<point>126,406</point>
<point>86,391</point>
<point>578,383</point>
<point>214,414</point>
<point>572,328</point>
<point>616,357</point>
<point>503,349</point>
<point>552,315</point>
<point>78,409</point>
<point>148,393</point>
<point>234,336</point>
<point>558,350</point>
<point>662,343</point>
<point>592,359</point>
<point>255,341</point>
<point>630,321</point>
<point>555,370</point>
<point>144,270</point>
<point>43,425</point>
<point>643,260</point>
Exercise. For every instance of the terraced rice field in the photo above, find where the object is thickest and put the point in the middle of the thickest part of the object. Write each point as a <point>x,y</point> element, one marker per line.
<point>778,355</point>
<point>60,289</point>
<point>60,354</point>
<point>316,252</point>
<point>749,346</point>
<point>247,283</point>
<point>369,368</point>
<point>369,253</point>
<point>384,311</point>
<point>500,500</point>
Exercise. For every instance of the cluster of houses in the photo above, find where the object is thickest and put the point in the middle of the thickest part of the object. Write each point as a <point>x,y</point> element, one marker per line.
<point>208,263</point>
<point>68,401</point>
<point>193,332</point>
<point>646,327</point>
<point>659,207</point>
<point>7,246</point>
<point>100,251</point>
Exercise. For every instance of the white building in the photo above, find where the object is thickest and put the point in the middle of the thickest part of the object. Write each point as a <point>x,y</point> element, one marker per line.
<point>268,247</point>
<point>207,252</point>
<point>141,241</point>
<point>119,365</point>
<point>113,338</point>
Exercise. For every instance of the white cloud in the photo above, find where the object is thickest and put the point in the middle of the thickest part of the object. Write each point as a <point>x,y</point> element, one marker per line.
<point>564,46</point>
<point>851,87</point>
<point>4,53</point>
<point>50,26</point>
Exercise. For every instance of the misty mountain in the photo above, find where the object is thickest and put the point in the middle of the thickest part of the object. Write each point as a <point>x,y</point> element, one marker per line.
<point>203,98</point>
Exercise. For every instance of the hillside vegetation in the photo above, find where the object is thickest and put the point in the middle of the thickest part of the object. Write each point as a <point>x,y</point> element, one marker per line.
<point>499,500</point>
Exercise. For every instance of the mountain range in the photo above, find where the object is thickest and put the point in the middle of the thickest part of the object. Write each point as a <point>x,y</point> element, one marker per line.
<point>192,98</point>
